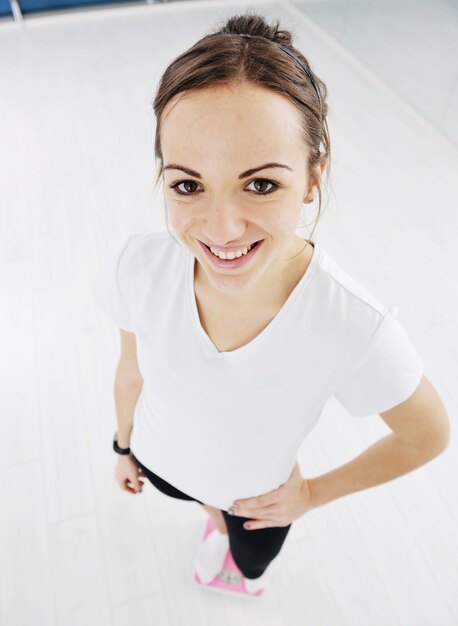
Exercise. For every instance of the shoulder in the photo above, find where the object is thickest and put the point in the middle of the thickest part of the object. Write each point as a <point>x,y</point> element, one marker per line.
<point>141,251</point>
<point>349,287</point>
<point>349,308</point>
<point>139,243</point>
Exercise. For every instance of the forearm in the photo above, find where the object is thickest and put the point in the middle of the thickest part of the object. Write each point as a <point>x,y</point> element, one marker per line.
<point>126,397</point>
<point>385,460</point>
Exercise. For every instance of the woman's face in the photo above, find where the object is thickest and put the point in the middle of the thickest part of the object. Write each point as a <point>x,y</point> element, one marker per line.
<point>219,134</point>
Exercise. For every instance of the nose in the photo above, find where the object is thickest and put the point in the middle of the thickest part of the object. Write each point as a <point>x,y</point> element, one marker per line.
<point>224,224</point>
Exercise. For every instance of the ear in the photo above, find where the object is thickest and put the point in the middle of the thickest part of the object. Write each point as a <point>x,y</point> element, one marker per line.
<point>318,172</point>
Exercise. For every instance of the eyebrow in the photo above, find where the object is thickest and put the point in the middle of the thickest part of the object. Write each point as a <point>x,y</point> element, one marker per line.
<point>187,170</point>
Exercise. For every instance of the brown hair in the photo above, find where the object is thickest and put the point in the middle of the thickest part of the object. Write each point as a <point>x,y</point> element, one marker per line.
<point>217,59</point>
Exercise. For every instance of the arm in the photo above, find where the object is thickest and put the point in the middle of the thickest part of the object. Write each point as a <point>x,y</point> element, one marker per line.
<point>126,397</point>
<point>421,432</point>
<point>127,388</point>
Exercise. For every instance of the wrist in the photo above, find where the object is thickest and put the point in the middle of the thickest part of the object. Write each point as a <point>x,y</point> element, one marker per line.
<point>122,443</point>
<point>317,495</point>
<point>307,493</point>
<point>119,448</point>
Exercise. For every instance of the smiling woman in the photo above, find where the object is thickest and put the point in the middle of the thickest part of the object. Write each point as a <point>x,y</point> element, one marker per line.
<point>270,116</point>
<point>226,209</point>
<point>245,330</point>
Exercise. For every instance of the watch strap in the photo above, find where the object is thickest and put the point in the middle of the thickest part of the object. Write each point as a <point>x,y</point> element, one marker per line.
<point>117,449</point>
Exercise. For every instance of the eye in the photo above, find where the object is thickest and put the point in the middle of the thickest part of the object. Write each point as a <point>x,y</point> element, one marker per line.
<point>175,186</point>
<point>263,181</point>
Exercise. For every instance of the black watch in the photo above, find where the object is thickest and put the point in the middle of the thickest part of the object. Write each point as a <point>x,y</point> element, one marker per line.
<point>117,449</point>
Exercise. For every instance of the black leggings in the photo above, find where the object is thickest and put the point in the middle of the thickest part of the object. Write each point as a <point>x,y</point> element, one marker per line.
<point>252,550</point>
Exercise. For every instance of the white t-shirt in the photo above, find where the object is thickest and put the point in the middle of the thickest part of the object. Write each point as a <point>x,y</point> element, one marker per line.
<point>226,425</point>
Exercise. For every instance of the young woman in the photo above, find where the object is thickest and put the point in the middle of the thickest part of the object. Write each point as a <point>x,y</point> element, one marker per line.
<point>236,331</point>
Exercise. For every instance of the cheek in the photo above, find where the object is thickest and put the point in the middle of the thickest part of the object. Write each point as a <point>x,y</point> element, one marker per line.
<point>179,218</point>
<point>283,219</point>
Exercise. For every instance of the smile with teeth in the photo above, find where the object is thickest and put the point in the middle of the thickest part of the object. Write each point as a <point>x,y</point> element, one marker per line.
<point>234,254</point>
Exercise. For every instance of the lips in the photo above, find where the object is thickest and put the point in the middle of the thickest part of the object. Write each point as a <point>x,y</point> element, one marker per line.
<point>231,264</point>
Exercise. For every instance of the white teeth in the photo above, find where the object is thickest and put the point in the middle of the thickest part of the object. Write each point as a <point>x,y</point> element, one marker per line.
<point>233,254</point>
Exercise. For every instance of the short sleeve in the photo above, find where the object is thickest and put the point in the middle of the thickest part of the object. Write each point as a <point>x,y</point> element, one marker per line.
<point>107,291</point>
<point>388,372</point>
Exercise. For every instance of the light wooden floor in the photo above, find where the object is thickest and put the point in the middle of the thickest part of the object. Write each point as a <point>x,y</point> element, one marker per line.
<point>76,177</point>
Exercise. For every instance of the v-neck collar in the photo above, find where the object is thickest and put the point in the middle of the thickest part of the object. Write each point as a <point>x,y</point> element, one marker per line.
<point>273,324</point>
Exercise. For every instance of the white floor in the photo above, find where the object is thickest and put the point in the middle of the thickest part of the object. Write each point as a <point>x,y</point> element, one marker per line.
<point>76,177</point>
<point>412,45</point>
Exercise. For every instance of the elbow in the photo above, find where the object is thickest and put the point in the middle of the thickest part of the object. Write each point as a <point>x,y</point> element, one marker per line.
<point>445,441</point>
<point>444,434</point>
<point>438,441</point>
<point>432,443</point>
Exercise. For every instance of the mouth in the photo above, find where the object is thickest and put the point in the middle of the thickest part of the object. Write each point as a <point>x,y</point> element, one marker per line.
<point>236,262</point>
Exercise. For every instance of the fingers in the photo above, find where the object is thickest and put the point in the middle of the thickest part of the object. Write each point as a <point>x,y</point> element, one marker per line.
<point>128,485</point>
<point>132,489</point>
<point>129,475</point>
<point>260,512</point>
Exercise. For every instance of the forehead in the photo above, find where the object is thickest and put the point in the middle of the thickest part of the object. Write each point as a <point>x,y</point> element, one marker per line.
<point>227,119</point>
